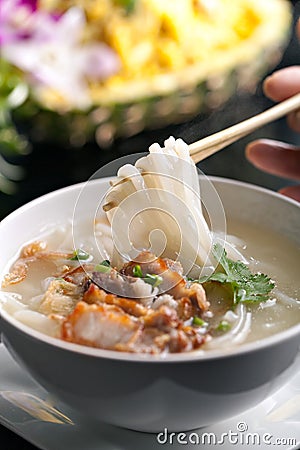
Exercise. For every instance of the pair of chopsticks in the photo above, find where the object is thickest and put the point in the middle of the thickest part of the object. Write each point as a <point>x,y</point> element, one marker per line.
<point>211,144</point>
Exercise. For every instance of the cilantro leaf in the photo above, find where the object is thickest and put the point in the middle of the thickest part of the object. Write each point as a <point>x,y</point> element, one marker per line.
<point>246,286</point>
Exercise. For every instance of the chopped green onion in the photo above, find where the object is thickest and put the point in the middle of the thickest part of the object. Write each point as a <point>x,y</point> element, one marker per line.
<point>105,263</point>
<point>154,280</point>
<point>103,268</point>
<point>137,271</point>
<point>199,322</point>
<point>150,278</point>
<point>223,326</point>
<point>80,255</point>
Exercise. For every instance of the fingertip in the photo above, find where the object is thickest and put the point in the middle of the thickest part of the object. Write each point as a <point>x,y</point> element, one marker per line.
<point>268,86</point>
<point>248,149</point>
<point>291,192</point>
<point>251,151</point>
<point>277,158</point>
<point>282,84</point>
<point>256,148</point>
<point>294,121</point>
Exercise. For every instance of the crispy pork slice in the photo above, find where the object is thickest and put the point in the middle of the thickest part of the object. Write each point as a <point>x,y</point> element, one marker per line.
<point>96,295</point>
<point>175,266</point>
<point>185,340</point>
<point>154,340</point>
<point>103,326</point>
<point>173,281</point>
<point>164,318</point>
<point>124,285</point>
<point>157,331</point>
<point>184,306</point>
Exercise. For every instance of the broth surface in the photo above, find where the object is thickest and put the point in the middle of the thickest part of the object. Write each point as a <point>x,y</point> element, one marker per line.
<point>277,256</point>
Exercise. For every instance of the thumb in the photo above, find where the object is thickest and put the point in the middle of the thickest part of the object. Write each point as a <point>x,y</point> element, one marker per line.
<point>275,157</point>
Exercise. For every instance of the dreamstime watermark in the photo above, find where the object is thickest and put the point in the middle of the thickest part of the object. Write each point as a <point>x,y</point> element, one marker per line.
<point>241,436</point>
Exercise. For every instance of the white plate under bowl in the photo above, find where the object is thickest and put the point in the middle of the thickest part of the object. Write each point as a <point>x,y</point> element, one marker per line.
<point>27,409</point>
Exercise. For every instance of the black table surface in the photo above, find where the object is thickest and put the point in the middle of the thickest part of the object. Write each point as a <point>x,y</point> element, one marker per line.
<point>49,167</point>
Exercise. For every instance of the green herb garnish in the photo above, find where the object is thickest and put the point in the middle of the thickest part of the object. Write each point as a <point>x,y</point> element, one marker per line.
<point>105,262</point>
<point>80,255</point>
<point>199,322</point>
<point>246,286</point>
<point>103,267</point>
<point>150,278</point>
<point>223,326</point>
<point>137,271</point>
<point>154,280</point>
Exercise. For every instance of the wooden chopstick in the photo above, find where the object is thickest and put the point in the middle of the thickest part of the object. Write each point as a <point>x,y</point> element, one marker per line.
<point>211,144</point>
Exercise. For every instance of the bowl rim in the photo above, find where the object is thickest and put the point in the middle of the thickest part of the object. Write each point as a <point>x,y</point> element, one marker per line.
<point>197,355</point>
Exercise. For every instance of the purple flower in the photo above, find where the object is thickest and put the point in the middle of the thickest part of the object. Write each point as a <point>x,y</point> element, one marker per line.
<point>16,19</point>
<point>99,61</point>
<point>55,58</point>
<point>30,4</point>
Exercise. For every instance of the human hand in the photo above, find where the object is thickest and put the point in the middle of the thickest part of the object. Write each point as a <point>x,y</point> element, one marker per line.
<point>279,158</point>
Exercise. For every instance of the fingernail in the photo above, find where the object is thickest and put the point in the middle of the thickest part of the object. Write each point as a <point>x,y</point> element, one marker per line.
<point>269,77</point>
<point>266,80</point>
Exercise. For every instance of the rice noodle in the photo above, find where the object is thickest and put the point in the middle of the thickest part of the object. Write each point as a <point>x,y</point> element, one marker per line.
<point>155,189</point>
<point>285,299</point>
<point>37,321</point>
<point>11,302</point>
<point>238,333</point>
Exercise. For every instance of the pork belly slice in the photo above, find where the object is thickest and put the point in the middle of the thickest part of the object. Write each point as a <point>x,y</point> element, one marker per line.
<point>103,326</point>
<point>184,307</point>
<point>171,273</point>
<point>154,340</point>
<point>164,319</point>
<point>96,295</point>
<point>108,326</point>
<point>124,286</point>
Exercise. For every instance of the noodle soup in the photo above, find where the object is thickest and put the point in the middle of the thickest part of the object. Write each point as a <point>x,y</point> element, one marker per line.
<point>196,292</point>
<point>142,391</point>
<point>61,292</point>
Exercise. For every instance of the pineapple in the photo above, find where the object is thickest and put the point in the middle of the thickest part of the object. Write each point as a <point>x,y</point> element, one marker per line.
<point>178,57</point>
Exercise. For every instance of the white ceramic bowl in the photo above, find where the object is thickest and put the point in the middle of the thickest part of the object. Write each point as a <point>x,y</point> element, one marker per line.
<point>146,393</point>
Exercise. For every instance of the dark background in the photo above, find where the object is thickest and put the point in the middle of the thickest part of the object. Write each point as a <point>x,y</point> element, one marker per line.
<point>50,167</point>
